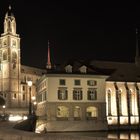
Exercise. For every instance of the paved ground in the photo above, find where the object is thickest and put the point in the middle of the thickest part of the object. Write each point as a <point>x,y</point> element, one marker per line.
<point>7,132</point>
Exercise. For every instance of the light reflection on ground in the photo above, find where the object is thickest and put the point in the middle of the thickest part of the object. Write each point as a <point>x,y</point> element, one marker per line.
<point>124,135</point>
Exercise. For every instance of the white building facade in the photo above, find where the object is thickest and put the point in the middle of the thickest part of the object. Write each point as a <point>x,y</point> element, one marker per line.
<point>72,102</point>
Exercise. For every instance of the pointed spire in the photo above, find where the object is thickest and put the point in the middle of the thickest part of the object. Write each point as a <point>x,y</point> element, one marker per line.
<point>137,57</point>
<point>137,48</point>
<point>10,7</point>
<point>49,66</point>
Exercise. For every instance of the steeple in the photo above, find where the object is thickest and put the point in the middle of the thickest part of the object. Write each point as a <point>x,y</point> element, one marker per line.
<point>49,66</point>
<point>9,22</point>
<point>137,57</point>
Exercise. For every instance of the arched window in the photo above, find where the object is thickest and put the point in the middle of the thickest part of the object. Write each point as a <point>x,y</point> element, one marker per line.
<point>77,113</point>
<point>109,101</point>
<point>14,56</point>
<point>4,55</point>
<point>62,112</point>
<point>91,112</point>
<point>120,101</point>
<point>130,101</point>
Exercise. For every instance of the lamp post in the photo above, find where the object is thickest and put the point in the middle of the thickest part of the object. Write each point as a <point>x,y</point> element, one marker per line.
<point>3,109</point>
<point>30,103</point>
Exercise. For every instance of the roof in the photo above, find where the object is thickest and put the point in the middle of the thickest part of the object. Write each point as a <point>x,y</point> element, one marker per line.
<point>32,70</point>
<point>127,72</point>
<point>77,64</point>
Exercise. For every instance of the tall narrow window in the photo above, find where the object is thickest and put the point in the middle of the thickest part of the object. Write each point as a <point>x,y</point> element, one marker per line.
<point>77,94</point>
<point>23,97</point>
<point>4,55</point>
<point>109,101</point>
<point>77,113</point>
<point>92,94</point>
<point>120,102</point>
<point>130,102</point>
<point>62,94</point>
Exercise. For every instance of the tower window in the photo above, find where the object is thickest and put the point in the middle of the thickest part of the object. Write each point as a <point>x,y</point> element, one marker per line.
<point>23,97</point>
<point>4,55</point>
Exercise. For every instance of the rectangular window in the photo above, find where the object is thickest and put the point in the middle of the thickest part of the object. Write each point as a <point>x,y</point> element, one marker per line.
<point>77,82</point>
<point>23,97</point>
<point>62,94</point>
<point>92,94</point>
<point>91,83</point>
<point>62,82</point>
<point>77,94</point>
<point>23,88</point>
<point>44,97</point>
<point>15,96</point>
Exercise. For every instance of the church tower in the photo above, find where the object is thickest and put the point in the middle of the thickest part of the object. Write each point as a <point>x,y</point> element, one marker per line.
<point>10,62</point>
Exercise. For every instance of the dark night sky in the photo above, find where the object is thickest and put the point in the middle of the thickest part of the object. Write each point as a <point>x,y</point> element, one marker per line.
<point>79,30</point>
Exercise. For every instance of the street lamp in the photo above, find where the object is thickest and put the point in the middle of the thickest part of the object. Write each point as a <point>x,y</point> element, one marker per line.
<point>30,103</point>
<point>4,109</point>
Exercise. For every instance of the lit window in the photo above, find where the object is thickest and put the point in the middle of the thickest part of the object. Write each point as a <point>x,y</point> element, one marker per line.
<point>77,113</point>
<point>77,82</point>
<point>109,102</point>
<point>92,94</point>
<point>62,94</point>
<point>130,101</point>
<point>4,55</point>
<point>120,102</point>
<point>91,83</point>
<point>91,112</point>
<point>62,112</point>
<point>68,69</point>
<point>83,69</point>
<point>62,82</point>
<point>77,94</point>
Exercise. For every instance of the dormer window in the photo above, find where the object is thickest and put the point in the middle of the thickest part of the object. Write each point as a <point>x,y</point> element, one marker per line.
<point>83,69</point>
<point>68,69</point>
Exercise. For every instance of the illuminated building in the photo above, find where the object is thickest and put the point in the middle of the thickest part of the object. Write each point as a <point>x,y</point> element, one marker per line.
<point>13,75</point>
<point>72,98</point>
<point>76,96</point>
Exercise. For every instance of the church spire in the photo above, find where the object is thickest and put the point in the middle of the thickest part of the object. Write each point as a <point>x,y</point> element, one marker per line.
<point>137,57</point>
<point>9,22</point>
<point>48,66</point>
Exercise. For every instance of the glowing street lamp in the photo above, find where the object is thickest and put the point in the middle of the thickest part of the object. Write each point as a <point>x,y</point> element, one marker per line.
<point>30,103</point>
<point>4,109</point>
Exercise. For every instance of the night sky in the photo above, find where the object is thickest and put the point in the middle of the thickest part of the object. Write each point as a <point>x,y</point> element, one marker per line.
<point>76,29</point>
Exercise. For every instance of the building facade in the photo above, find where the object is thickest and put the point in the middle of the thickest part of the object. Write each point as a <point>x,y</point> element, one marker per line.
<point>72,102</point>
<point>79,96</point>
<point>14,76</point>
